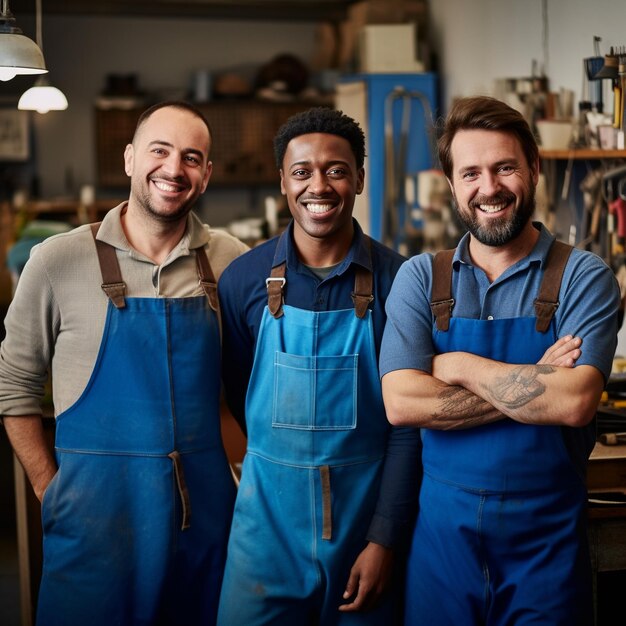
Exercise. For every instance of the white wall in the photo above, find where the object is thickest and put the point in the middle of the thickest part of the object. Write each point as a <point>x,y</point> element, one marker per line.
<point>483,40</point>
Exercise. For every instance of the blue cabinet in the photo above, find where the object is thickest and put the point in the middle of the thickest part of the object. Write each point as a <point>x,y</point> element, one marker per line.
<point>385,105</point>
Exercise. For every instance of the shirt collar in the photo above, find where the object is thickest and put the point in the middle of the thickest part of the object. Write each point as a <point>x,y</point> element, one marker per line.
<point>111,232</point>
<point>358,253</point>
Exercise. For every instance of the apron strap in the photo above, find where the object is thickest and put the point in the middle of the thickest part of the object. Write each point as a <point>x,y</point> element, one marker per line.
<point>327,519</point>
<point>274,285</point>
<point>547,302</point>
<point>207,279</point>
<point>115,288</point>
<point>182,489</point>
<point>361,296</point>
<point>112,284</point>
<point>363,292</point>
<point>441,301</point>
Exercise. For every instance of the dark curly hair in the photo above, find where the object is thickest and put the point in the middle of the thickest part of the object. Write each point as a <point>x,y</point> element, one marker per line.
<point>320,120</point>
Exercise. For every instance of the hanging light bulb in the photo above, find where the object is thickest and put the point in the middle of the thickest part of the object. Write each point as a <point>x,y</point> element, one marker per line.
<point>42,96</point>
<point>18,53</point>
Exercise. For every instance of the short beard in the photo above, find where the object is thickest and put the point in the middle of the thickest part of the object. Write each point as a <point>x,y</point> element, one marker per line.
<point>143,200</point>
<point>500,231</point>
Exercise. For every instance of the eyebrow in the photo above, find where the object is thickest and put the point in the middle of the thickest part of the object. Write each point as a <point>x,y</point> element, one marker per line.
<point>329,164</point>
<point>167,144</point>
<point>500,163</point>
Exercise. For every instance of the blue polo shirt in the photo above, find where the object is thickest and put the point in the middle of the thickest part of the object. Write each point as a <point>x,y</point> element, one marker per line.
<point>589,300</point>
<point>243,298</point>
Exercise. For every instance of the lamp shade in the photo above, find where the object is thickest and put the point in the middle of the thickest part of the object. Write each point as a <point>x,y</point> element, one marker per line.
<point>19,55</point>
<point>42,97</point>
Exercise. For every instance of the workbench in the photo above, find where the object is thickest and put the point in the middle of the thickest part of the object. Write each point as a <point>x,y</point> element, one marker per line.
<point>607,521</point>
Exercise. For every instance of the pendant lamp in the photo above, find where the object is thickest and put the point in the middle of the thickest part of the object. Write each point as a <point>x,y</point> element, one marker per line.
<point>18,53</point>
<point>42,96</point>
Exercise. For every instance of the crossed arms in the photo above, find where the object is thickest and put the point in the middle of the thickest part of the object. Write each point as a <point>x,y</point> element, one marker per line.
<point>466,390</point>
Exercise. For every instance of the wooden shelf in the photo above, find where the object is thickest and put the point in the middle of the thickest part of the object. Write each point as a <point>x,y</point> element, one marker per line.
<point>582,153</point>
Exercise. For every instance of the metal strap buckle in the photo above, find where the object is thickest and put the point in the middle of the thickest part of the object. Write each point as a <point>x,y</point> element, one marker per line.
<point>268,280</point>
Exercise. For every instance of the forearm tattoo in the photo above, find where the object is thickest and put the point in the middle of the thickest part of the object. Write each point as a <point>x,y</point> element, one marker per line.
<point>461,408</point>
<point>520,386</point>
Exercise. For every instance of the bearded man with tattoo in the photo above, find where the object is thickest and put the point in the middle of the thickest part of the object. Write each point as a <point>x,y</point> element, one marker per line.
<point>499,352</point>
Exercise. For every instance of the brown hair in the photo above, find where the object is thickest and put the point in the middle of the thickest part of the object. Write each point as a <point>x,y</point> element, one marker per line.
<point>484,113</point>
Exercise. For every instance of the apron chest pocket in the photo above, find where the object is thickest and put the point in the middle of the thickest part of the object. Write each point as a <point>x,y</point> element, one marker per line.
<point>315,392</point>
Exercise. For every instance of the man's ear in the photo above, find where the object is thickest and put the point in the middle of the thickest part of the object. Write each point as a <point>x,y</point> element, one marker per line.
<point>128,159</point>
<point>207,175</point>
<point>282,185</point>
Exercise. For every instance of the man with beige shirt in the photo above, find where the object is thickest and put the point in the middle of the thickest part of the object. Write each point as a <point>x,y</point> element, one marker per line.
<point>137,498</point>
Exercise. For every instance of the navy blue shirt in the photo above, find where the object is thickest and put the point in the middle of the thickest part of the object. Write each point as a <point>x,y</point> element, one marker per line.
<point>243,298</point>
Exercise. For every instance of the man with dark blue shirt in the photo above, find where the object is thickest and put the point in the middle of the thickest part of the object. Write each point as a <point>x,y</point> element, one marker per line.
<point>328,488</point>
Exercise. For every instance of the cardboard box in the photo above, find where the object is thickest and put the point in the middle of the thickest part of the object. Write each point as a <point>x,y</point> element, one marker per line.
<point>388,48</point>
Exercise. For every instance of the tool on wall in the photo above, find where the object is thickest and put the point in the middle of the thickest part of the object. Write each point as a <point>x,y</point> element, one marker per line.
<point>593,202</point>
<point>621,73</point>
<point>593,65</point>
<point>397,212</point>
<point>609,71</point>
<point>613,181</point>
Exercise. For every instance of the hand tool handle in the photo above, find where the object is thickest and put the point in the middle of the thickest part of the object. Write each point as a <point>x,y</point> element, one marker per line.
<point>618,207</point>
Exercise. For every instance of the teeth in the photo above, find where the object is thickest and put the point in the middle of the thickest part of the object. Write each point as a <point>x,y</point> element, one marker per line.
<point>165,186</point>
<point>491,208</point>
<point>318,207</point>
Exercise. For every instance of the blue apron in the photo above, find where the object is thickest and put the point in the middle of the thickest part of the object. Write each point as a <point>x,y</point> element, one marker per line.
<point>317,436</point>
<point>136,519</point>
<point>500,537</point>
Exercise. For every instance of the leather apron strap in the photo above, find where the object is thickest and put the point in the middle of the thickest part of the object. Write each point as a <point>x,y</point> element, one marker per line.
<point>183,492</point>
<point>363,292</point>
<point>115,288</point>
<point>362,295</point>
<point>441,301</point>
<point>274,285</point>
<point>112,284</point>
<point>327,521</point>
<point>207,279</point>
<point>546,303</point>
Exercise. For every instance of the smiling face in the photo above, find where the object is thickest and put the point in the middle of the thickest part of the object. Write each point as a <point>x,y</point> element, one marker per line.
<point>168,164</point>
<point>493,185</point>
<point>320,180</point>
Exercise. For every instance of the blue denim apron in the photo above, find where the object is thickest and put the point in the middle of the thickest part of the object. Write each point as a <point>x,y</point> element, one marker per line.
<point>317,435</point>
<point>136,519</point>
<point>500,538</point>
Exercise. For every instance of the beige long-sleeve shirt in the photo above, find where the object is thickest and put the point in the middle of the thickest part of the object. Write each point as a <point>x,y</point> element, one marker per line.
<point>57,315</point>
